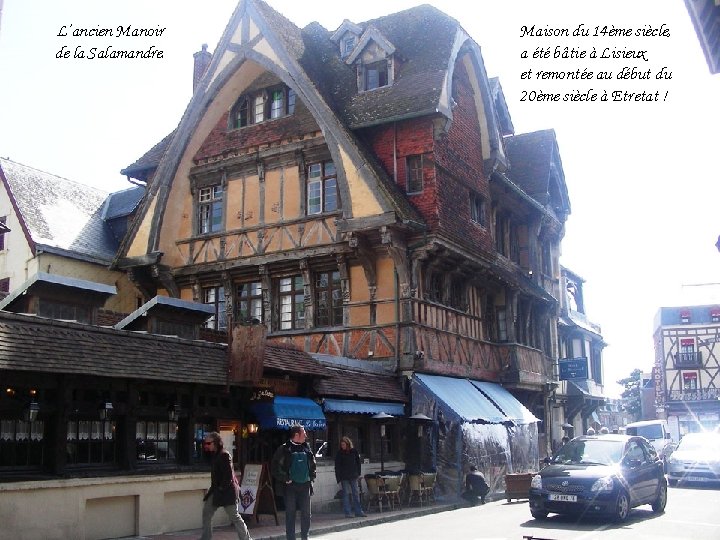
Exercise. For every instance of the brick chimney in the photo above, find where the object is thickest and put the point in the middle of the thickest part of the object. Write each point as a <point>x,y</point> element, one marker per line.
<point>202,62</point>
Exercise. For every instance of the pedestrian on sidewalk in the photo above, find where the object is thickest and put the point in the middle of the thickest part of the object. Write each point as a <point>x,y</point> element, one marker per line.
<point>347,474</point>
<point>224,488</point>
<point>293,466</point>
<point>475,487</point>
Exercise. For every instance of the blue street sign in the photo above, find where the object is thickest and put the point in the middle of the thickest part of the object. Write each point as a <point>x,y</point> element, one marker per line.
<point>573,368</point>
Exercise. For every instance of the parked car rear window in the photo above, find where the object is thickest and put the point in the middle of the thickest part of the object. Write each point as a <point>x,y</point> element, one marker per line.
<point>652,431</point>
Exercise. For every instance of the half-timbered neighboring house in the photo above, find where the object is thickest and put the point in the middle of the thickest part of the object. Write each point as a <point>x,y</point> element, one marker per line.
<point>361,194</point>
<point>687,368</point>
<point>579,398</point>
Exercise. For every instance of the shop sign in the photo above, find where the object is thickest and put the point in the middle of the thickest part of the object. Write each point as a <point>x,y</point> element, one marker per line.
<point>247,352</point>
<point>308,424</point>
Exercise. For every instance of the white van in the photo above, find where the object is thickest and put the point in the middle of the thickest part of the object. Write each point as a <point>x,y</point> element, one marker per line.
<point>655,431</point>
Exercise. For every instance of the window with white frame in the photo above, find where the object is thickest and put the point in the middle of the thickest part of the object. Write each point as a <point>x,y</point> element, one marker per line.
<point>690,380</point>
<point>267,104</point>
<point>322,193</point>
<point>250,302</point>
<point>215,296</point>
<point>502,324</point>
<point>210,209</point>
<point>259,108</point>
<point>477,209</point>
<point>291,299</point>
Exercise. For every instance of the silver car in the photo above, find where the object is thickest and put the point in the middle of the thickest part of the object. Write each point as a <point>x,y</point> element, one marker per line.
<point>696,459</point>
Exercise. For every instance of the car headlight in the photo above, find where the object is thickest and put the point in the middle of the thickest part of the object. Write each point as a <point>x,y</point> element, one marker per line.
<point>536,482</point>
<point>603,484</point>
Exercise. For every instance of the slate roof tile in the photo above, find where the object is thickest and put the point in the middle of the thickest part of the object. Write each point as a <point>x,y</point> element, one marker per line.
<point>29,343</point>
<point>60,214</point>
<point>122,203</point>
<point>347,383</point>
<point>531,156</point>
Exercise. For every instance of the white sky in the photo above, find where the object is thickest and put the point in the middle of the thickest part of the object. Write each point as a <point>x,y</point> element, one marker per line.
<point>641,175</point>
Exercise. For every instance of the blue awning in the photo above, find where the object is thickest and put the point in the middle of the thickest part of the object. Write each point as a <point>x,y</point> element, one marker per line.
<point>363,407</point>
<point>284,412</point>
<point>466,401</point>
<point>513,409</point>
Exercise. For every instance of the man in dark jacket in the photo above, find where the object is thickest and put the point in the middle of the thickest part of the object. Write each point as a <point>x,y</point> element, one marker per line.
<point>293,466</point>
<point>475,486</point>
<point>223,490</point>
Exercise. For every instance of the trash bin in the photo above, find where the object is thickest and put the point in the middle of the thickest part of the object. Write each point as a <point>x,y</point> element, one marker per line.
<point>517,485</point>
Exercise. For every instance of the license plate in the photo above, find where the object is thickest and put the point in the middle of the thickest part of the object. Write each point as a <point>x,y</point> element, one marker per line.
<point>694,478</point>
<point>562,497</point>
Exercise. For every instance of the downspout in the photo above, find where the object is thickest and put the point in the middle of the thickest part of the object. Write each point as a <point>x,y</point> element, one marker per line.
<point>395,153</point>
<point>397,320</point>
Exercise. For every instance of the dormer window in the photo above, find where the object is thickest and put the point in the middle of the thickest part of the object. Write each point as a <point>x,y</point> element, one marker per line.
<point>348,44</point>
<point>374,57</point>
<point>266,104</point>
<point>376,75</point>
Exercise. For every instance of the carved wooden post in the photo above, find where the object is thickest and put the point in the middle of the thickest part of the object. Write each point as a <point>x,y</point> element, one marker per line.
<point>266,285</point>
<point>344,287</point>
<point>308,289</point>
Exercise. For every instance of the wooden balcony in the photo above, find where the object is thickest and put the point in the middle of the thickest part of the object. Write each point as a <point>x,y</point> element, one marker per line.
<point>702,394</point>
<point>525,366</point>
<point>688,359</point>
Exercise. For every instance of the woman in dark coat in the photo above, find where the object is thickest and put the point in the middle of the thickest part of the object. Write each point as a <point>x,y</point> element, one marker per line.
<point>223,492</point>
<point>347,474</point>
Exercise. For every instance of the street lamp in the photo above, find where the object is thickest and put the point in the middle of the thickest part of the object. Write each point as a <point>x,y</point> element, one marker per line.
<point>382,417</point>
<point>421,419</point>
<point>31,413</point>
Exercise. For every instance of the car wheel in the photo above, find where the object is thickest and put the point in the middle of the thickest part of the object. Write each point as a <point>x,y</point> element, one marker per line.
<point>673,483</point>
<point>622,507</point>
<point>659,503</point>
<point>538,514</point>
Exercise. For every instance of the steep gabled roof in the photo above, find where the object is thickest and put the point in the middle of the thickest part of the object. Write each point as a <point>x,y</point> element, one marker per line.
<point>426,46</point>
<point>536,167</point>
<point>59,215</point>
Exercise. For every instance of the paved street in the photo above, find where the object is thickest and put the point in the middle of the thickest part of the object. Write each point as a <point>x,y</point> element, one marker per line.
<point>692,513</point>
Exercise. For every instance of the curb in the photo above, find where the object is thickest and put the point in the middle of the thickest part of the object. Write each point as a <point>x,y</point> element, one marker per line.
<point>367,522</point>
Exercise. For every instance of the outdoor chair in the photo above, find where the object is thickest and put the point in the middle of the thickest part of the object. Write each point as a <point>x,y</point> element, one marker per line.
<point>392,485</point>
<point>428,486</point>
<point>375,491</point>
<point>415,489</point>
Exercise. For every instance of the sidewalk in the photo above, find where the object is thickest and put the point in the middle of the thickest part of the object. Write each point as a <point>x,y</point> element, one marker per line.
<point>322,523</point>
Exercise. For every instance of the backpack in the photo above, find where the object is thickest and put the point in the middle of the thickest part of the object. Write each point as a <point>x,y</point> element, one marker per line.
<point>299,468</point>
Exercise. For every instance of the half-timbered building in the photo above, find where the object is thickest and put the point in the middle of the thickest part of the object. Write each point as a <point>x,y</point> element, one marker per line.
<point>687,370</point>
<point>361,193</point>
